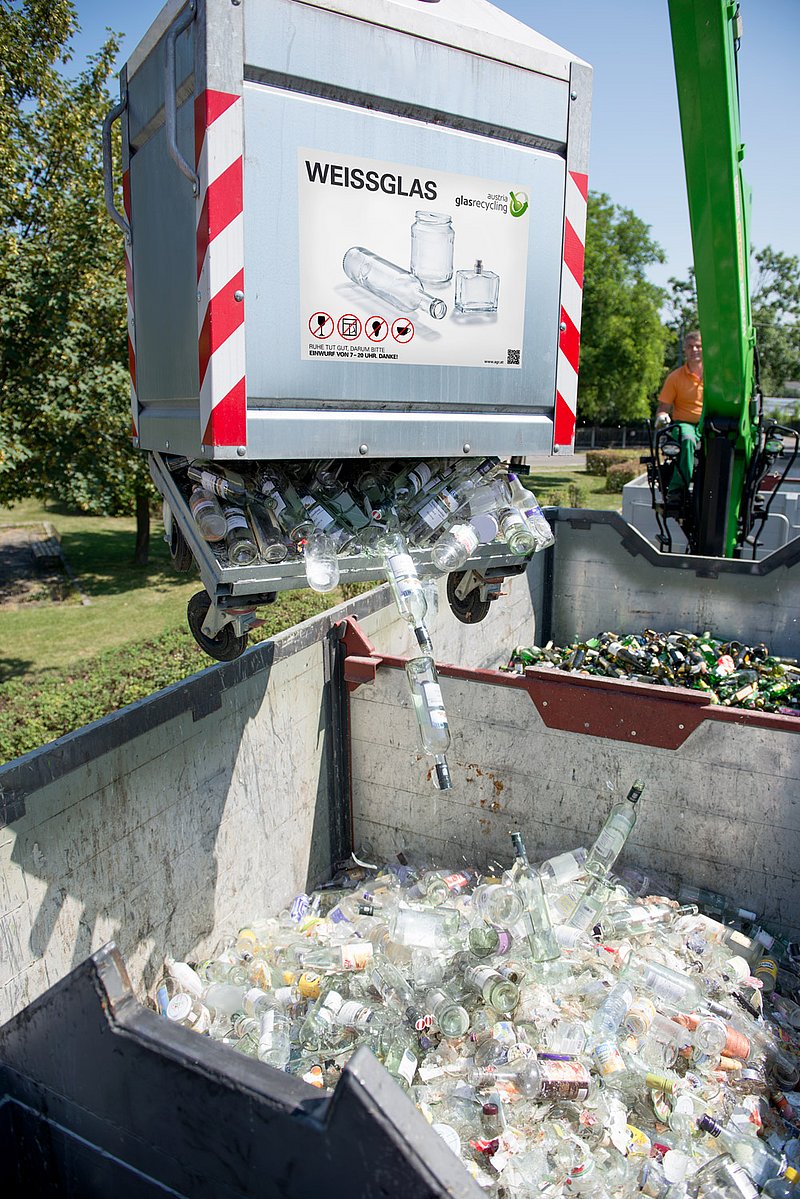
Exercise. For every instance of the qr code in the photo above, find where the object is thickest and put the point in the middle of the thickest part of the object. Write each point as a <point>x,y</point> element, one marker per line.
<point>513,357</point>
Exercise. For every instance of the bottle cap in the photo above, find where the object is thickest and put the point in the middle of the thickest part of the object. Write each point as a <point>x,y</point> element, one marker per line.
<point>791,1174</point>
<point>491,1109</point>
<point>485,526</point>
<point>179,1006</point>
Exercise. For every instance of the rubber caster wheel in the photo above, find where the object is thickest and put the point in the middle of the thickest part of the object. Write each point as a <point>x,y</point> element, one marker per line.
<point>226,646</point>
<point>470,610</point>
<point>180,555</point>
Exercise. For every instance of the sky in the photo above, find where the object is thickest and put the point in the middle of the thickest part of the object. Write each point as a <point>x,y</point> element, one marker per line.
<point>636,154</point>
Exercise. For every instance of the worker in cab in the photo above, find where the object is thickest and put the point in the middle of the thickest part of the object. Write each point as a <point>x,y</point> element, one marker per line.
<point>681,401</point>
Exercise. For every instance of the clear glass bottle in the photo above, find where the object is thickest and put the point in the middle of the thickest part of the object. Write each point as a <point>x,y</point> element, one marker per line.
<point>783,1188</point>
<point>678,990</point>
<point>498,992</point>
<point>407,589</point>
<point>723,1178</point>
<point>612,1011</point>
<point>426,695</point>
<point>226,489</point>
<point>428,928</point>
<point>748,1151</point>
<point>542,941</point>
<point>530,508</point>
<point>432,239</point>
<point>338,500</point>
<point>451,1017</point>
<point>515,532</point>
<point>614,833</point>
<point>242,548</point>
<point>434,508</point>
<point>274,1040</point>
<point>402,1057</point>
<point>565,867</point>
<point>273,546</point>
<point>498,904</point>
<point>279,496</point>
<point>534,1078</point>
<point>477,290</point>
<point>321,562</point>
<point>208,515</point>
<point>591,904</point>
<point>453,548</point>
<point>390,282</point>
<point>189,1011</point>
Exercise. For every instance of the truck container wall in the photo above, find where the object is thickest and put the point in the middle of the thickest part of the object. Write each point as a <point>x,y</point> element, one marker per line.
<point>261,142</point>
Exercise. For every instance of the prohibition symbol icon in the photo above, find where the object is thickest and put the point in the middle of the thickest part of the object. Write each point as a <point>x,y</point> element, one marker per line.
<point>376,328</point>
<point>402,330</point>
<point>349,327</point>
<point>320,325</point>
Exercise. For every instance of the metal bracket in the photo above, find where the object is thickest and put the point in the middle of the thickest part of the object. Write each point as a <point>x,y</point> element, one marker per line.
<point>170,97</point>
<point>361,657</point>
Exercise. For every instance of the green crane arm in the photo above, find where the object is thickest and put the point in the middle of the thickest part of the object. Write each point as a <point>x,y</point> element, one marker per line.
<point>704,40</point>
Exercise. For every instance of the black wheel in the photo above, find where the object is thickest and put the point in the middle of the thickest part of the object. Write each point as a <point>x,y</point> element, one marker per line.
<point>470,610</point>
<point>180,555</point>
<point>226,645</point>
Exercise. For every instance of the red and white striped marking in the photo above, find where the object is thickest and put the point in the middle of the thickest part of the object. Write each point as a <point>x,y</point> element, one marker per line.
<point>220,268</point>
<point>126,201</point>
<point>569,342</point>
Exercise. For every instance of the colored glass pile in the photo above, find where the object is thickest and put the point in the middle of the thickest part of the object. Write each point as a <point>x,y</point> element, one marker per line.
<point>729,672</point>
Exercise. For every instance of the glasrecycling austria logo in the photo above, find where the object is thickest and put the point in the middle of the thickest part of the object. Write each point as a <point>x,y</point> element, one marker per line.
<point>517,203</point>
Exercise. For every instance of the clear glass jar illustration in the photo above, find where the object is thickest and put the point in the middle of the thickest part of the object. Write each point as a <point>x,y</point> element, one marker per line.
<point>390,282</point>
<point>477,291</point>
<point>432,238</point>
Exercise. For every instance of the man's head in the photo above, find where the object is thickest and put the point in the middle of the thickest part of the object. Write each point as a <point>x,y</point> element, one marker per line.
<point>693,350</point>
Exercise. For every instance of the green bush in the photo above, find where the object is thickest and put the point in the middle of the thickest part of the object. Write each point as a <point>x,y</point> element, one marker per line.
<point>35,710</point>
<point>622,473</point>
<point>599,462</point>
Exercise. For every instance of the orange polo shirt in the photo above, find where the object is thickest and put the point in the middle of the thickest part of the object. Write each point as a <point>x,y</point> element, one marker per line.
<point>683,389</point>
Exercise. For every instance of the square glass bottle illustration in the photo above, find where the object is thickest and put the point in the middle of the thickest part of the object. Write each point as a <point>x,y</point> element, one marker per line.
<point>477,290</point>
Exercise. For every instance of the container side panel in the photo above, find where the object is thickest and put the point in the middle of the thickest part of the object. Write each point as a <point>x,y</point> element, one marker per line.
<point>277,234</point>
<point>607,577</point>
<point>307,43</point>
<point>722,811</point>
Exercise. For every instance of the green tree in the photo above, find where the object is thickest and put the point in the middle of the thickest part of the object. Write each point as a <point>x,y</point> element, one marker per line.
<point>775,303</point>
<point>64,390</point>
<point>622,337</point>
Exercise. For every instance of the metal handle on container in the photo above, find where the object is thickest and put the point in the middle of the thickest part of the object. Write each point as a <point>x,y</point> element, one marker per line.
<point>170,95</point>
<point>108,167</point>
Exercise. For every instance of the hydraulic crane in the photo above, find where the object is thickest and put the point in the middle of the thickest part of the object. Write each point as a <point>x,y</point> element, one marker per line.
<point>723,512</point>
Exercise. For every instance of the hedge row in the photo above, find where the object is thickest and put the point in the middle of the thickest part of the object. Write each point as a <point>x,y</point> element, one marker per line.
<point>599,462</point>
<point>622,473</point>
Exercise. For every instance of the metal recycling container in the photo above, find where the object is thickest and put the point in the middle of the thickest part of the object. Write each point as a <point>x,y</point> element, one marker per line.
<point>276,155</point>
<point>164,826</point>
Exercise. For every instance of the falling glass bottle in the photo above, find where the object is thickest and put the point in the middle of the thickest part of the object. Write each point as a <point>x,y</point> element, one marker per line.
<point>406,585</point>
<point>390,282</point>
<point>542,941</point>
<point>614,833</point>
<point>426,695</point>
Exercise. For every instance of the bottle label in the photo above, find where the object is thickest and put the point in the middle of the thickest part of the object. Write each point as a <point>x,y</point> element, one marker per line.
<point>419,476</point>
<point>316,513</point>
<point>214,483</point>
<point>408,1066</point>
<point>235,519</point>
<point>284,996</point>
<point>449,499</point>
<point>300,908</point>
<point>454,882</point>
<point>671,990</point>
<point>640,1016</point>
<point>337,916</point>
<point>609,1059</point>
<point>466,537</point>
<point>611,839</point>
<point>433,695</point>
<point>267,1029</point>
<point>357,956</point>
<point>251,998</point>
<point>353,1014</point>
<point>564,1080</point>
<point>433,513</point>
<point>401,566</point>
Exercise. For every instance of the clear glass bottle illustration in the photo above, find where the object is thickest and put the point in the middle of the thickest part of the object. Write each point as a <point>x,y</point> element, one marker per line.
<point>432,238</point>
<point>614,833</point>
<point>390,282</point>
<point>477,290</point>
<point>209,517</point>
<point>431,716</point>
<point>242,548</point>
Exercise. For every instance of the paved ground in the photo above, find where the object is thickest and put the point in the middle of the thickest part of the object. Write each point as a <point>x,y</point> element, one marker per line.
<point>557,462</point>
<point>24,579</point>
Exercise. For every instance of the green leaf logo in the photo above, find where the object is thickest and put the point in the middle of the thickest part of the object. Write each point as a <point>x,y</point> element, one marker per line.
<point>518,203</point>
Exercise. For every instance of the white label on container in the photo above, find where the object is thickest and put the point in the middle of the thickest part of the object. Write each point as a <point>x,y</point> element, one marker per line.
<point>347,202</point>
<point>433,695</point>
<point>353,1014</point>
<point>433,513</point>
<point>419,476</point>
<point>402,565</point>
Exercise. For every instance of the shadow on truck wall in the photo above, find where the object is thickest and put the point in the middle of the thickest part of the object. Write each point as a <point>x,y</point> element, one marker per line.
<point>121,830</point>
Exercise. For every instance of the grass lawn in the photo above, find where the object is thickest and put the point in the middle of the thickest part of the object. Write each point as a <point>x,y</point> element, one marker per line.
<point>65,664</point>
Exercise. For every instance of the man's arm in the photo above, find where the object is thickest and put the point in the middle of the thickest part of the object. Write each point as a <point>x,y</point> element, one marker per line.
<point>666,402</point>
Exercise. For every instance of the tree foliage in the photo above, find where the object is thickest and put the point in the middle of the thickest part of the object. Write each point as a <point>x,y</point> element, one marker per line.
<point>64,390</point>
<point>775,304</point>
<point>622,336</point>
